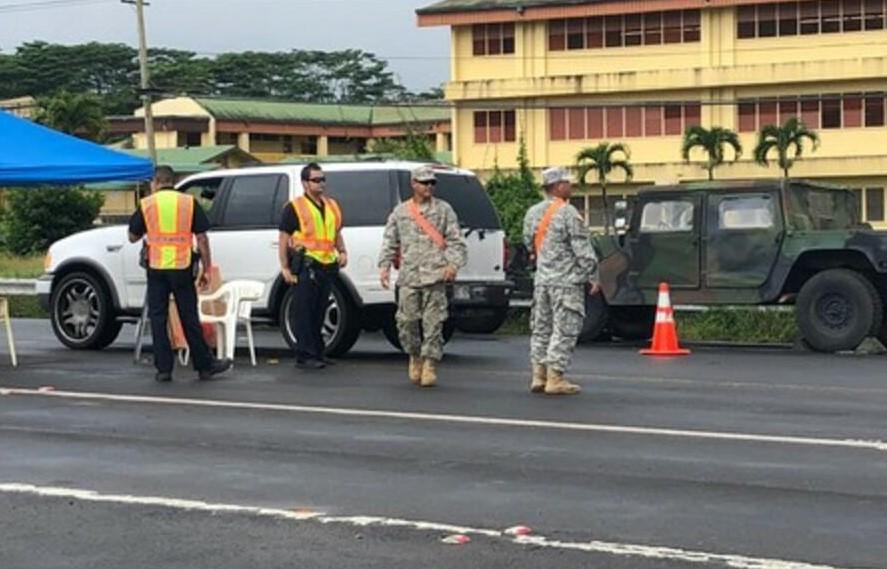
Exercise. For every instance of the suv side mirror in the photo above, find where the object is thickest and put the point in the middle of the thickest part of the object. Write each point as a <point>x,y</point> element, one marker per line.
<point>620,218</point>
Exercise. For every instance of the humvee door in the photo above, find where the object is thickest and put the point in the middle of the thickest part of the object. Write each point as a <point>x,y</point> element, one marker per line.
<point>664,241</point>
<point>744,233</point>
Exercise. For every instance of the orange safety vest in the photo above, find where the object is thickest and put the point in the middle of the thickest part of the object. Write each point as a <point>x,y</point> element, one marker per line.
<point>168,215</point>
<point>542,230</point>
<point>317,233</point>
<point>426,226</point>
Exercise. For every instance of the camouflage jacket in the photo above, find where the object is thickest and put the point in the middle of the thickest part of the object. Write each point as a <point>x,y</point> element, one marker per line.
<point>422,262</point>
<point>567,257</point>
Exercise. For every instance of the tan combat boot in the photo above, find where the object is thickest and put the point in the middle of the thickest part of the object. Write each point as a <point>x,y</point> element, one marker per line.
<point>537,385</point>
<point>557,385</point>
<point>415,369</point>
<point>429,373</point>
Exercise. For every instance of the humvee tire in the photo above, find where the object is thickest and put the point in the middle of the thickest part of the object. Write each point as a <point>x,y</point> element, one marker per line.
<point>596,317</point>
<point>837,309</point>
<point>632,322</point>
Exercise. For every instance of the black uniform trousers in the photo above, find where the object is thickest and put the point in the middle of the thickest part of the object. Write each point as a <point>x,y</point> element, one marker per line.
<point>312,292</point>
<point>179,283</point>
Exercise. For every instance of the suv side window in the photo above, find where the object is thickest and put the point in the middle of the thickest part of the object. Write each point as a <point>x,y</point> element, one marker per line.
<point>365,198</point>
<point>204,191</point>
<point>250,201</point>
<point>673,216</point>
<point>746,212</point>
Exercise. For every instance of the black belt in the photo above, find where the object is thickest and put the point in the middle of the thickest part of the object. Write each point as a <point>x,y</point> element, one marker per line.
<point>326,267</point>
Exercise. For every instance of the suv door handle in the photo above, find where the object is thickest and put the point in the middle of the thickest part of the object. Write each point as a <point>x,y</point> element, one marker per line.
<point>275,245</point>
<point>113,248</point>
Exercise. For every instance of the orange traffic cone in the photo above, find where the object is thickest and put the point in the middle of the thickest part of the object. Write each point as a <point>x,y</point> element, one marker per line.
<point>665,334</point>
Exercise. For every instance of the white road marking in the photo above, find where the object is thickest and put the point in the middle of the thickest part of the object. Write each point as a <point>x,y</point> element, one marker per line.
<point>596,547</point>
<point>877,445</point>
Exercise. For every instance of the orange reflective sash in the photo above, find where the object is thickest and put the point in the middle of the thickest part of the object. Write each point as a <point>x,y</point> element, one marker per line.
<point>317,234</point>
<point>168,215</point>
<point>426,226</point>
<point>542,230</point>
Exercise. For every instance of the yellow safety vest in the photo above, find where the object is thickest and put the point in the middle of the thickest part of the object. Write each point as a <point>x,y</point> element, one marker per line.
<point>317,232</point>
<point>168,215</point>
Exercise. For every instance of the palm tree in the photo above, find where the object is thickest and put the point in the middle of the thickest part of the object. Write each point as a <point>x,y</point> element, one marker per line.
<point>73,113</point>
<point>603,159</point>
<point>786,139</point>
<point>712,142</point>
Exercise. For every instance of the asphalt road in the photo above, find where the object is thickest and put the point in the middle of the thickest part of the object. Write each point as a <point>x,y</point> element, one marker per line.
<point>729,458</point>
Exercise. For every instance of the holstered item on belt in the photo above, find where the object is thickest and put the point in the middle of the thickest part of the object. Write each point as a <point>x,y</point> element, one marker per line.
<point>297,261</point>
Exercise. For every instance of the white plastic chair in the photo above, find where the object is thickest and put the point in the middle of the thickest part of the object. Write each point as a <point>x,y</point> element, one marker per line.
<point>238,297</point>
<point>4,314</point>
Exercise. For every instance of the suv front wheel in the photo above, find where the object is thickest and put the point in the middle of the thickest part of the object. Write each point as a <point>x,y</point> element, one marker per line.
<point>82,313</point>
<point>340,322</point>
<point>837,309</point>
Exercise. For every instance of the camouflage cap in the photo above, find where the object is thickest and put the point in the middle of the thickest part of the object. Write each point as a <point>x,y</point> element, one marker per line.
<point>423,174</point>
<point>554,175</point>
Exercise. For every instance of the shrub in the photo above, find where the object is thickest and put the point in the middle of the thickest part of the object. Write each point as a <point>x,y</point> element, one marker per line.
<point>37,217</point>
<point>512,194</point>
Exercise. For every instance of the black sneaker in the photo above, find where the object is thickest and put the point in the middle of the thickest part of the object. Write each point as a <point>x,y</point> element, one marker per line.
<point>217,367</point>
<point>163,377</point>
<point>310,364</point>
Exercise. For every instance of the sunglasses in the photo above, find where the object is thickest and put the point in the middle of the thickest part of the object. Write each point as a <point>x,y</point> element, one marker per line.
<point>431,183</point>
<point>320,180</point>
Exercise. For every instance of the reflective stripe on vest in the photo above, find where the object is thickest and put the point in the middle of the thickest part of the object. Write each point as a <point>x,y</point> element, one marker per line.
<point>426,226</point>
<point>317,232</point>
<point>542,230</point>
<point>168,215</point>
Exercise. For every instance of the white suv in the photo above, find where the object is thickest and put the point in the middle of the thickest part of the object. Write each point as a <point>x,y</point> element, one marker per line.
<point>94,282</point>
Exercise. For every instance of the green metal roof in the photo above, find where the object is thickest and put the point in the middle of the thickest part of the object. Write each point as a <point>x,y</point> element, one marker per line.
<point>314,113</point>
<point>192,155</point>
<point>445,6</point>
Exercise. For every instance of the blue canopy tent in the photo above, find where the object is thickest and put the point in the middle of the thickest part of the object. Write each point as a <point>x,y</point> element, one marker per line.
<point>33,154</point>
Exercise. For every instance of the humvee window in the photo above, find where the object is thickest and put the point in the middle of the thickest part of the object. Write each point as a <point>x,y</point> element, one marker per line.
<point>821,209</point>
<point>746,212</point>
<point>667,217</point>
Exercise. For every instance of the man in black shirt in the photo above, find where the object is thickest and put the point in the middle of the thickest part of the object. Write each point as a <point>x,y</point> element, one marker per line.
<point>170,271</point>
<point>311,251</point>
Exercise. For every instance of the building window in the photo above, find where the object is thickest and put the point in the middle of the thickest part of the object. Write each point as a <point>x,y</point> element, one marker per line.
<point>849,110</point>
<point>184,139</point>
<point>874,204</point>
<point>492,39</point>
<point>495,126</point>
<point>830,112</point>
<point>629,30</point>
<point>809,17</point>
<point>596,123</point>
<point>874,109</point>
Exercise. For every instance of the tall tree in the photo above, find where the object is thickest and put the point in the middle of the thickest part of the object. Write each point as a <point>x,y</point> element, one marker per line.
<point>788,140</point>
<point>512,194</point>
<point>712,142</point>
<point>602,160</point>
<point>77,114</point>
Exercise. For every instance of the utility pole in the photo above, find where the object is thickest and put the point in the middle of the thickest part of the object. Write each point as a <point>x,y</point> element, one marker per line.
<point>145,83</point>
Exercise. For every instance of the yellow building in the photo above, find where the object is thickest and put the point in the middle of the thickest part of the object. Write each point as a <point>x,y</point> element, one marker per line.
<point>272,131</point>
<point>567,74</point>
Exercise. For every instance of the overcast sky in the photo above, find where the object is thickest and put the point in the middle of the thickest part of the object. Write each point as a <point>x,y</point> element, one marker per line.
<point>419,56</point>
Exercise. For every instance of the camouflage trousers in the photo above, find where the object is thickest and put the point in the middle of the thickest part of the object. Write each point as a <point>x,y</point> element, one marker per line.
<point>421,313</point>
<point>556,320</point>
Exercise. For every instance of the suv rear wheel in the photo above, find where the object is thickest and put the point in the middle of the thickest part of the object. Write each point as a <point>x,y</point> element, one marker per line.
<point>837,309</point>
<point>81,312</point>
<point>340,323</point>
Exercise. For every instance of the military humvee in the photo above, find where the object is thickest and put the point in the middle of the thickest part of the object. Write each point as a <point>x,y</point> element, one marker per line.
<point>764,243</point>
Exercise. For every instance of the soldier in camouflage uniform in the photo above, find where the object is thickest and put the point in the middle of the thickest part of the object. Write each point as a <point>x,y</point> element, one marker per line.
<point>565,269</point>
<point>425,231</point>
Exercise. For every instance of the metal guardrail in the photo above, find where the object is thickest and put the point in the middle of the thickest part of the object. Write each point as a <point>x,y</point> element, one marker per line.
<point>18,287</point>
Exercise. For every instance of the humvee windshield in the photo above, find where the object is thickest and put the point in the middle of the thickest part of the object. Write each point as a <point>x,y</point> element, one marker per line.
<point>812,208</point>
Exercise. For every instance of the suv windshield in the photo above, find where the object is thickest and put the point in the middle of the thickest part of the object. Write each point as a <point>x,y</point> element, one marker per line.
<point>812,208</point>
<point>466,195</point>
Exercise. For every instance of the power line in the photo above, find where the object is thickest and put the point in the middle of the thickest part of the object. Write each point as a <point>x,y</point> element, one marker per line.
<point>46,5</point>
